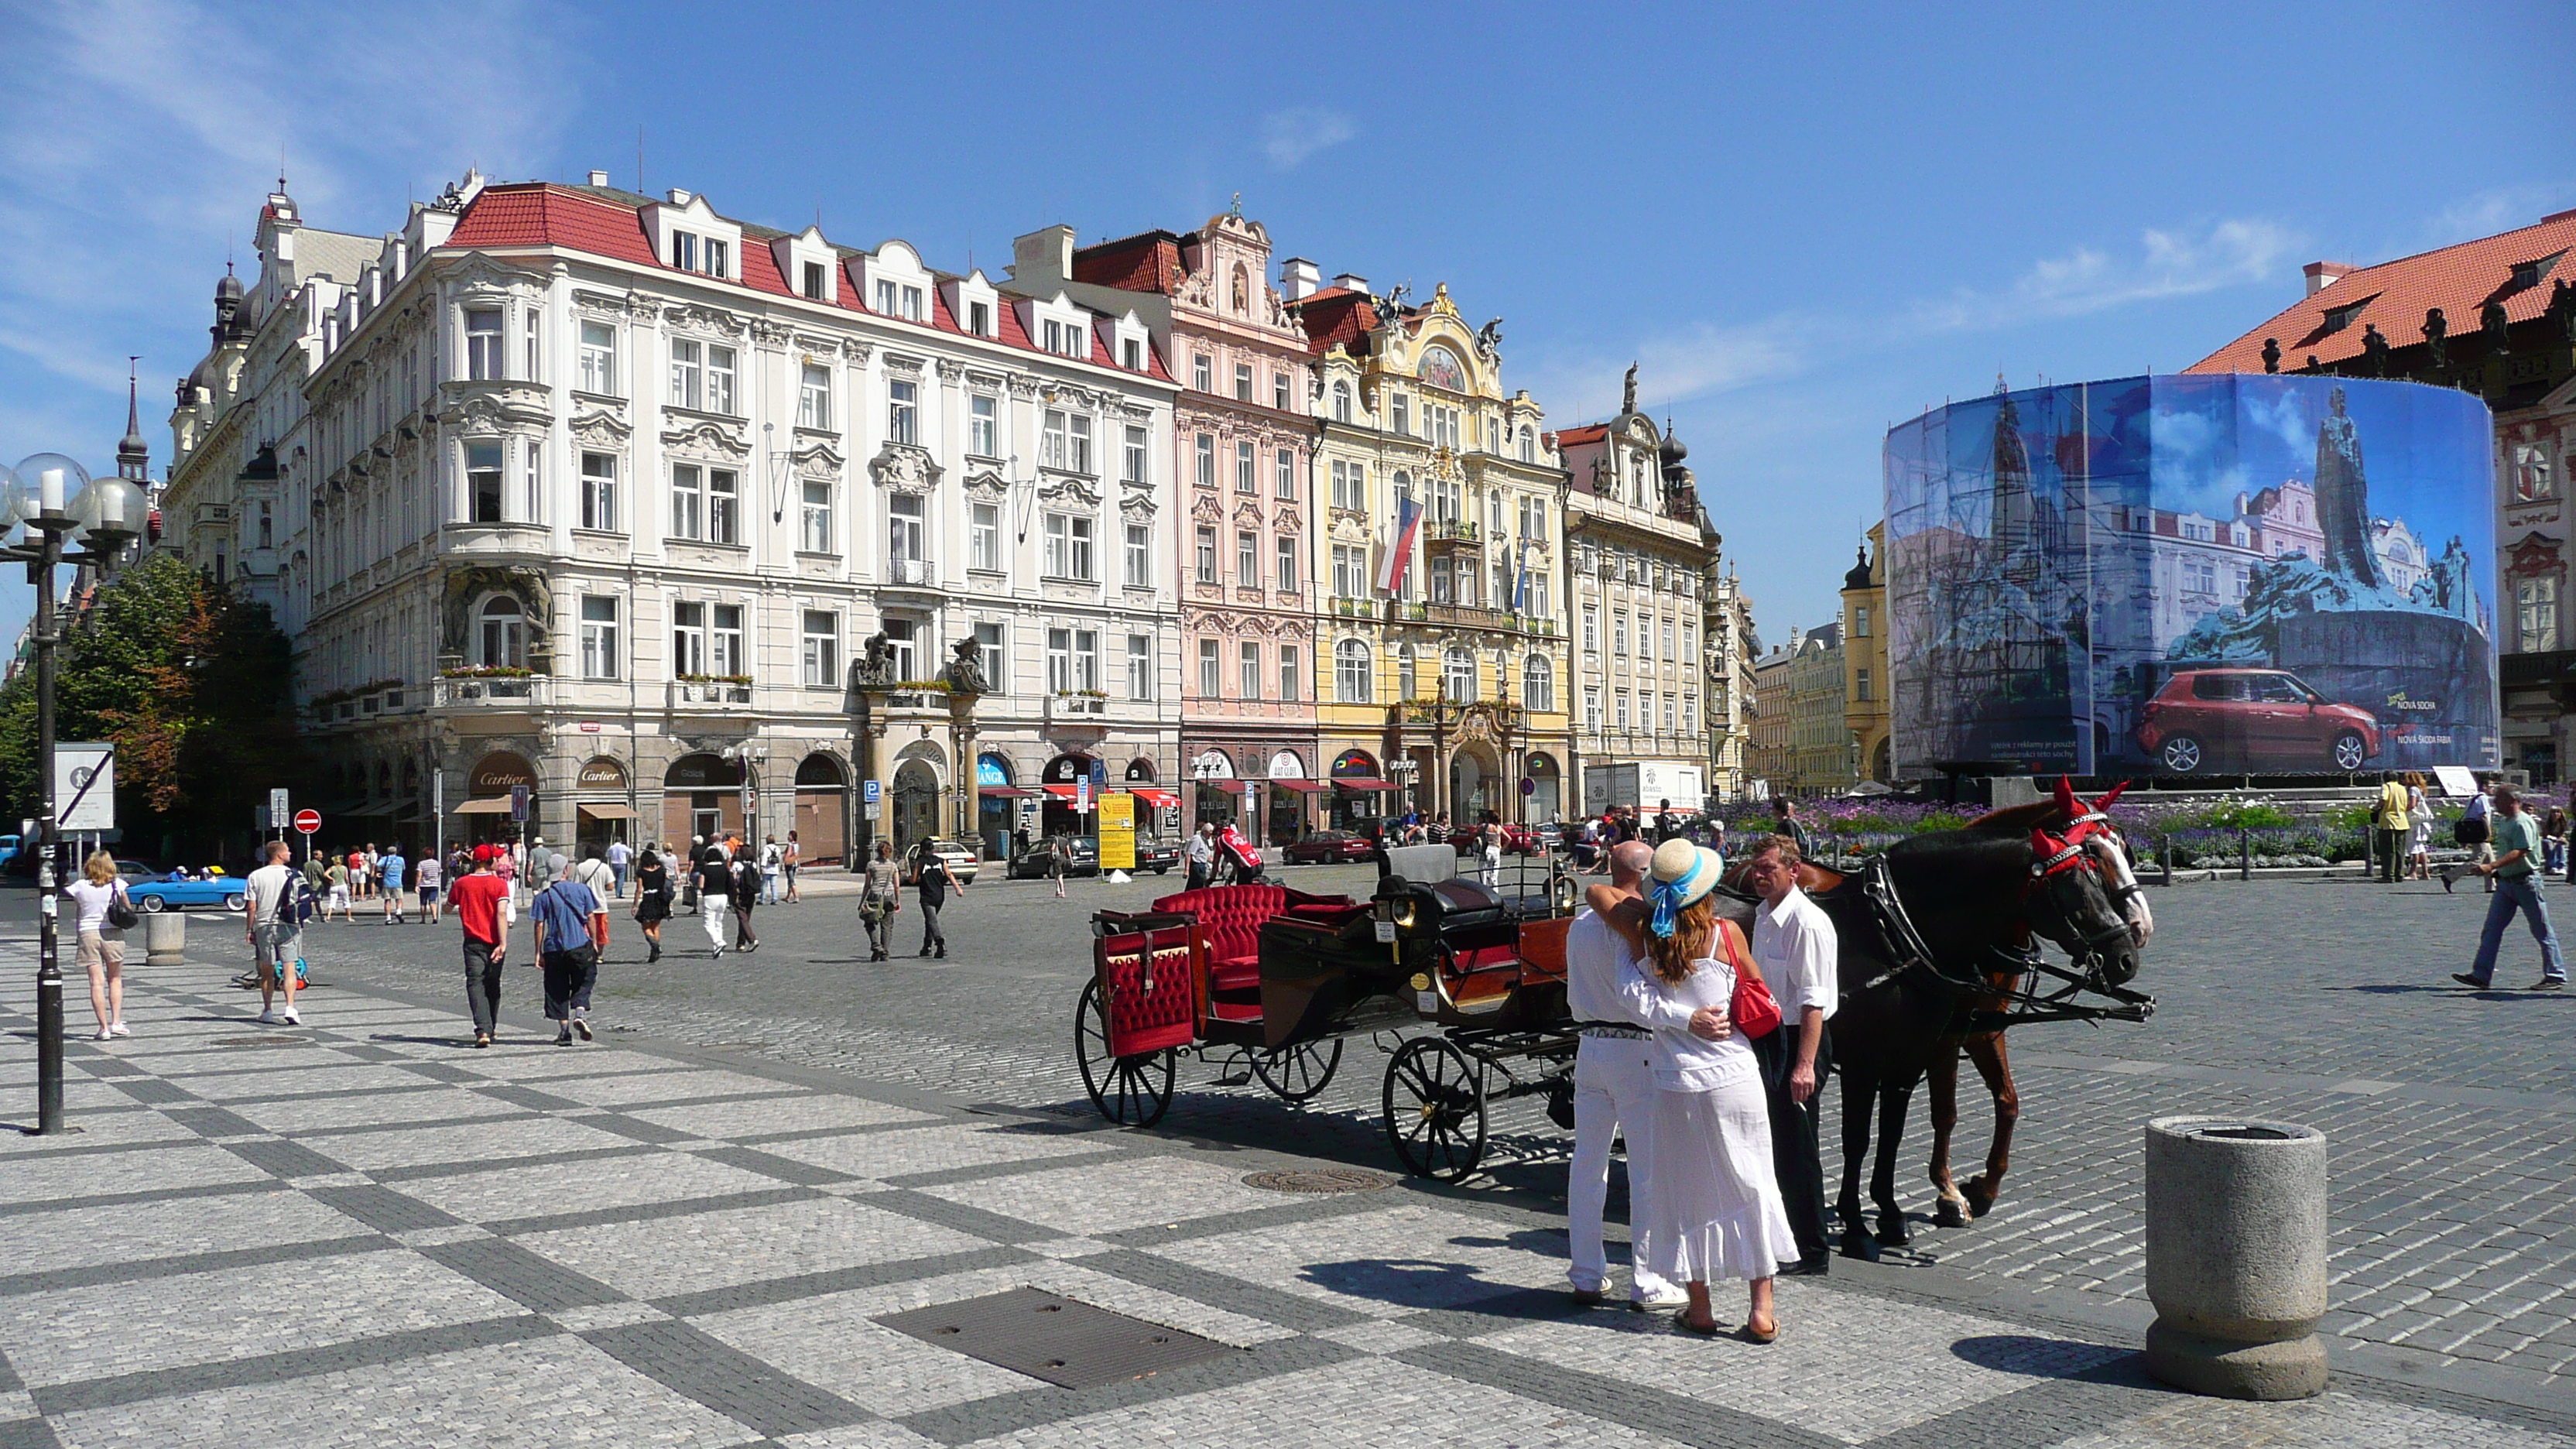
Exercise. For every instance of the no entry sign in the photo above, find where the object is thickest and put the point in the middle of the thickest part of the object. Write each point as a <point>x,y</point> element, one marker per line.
<point>308,821</point>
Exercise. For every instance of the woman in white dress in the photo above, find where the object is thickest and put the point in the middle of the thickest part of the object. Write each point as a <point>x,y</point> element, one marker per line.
<point>2419,822</point>
<point>1717,1209</point>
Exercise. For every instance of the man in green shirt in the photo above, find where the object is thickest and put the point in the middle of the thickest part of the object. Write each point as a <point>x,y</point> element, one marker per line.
<point>2516,873</point>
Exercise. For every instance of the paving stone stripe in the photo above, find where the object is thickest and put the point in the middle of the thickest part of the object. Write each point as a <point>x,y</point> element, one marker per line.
<point>785,1169</point>
<point>646,1211</point>
<point>273,1368</point>
<point>1617,1401</point>
<point>415,1171</point>
<point>521,1276</point>
<point>382,1208</point>
<point>281,1158</point>
<point>1217,1290</point>
<point>120,1199</point>
<point>984,1171</point>
<point>990,1226</point>
<point>1217,1225</point>
<point>724,1378</point>
<point>768,1292</point>
<point>47,1280</point>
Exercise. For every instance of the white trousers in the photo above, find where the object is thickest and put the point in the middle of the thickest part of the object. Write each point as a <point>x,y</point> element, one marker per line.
<point>1614,1087</point>
<point>717,910</point>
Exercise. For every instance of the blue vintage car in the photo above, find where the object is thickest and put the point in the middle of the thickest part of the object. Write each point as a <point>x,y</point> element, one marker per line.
<point>161,893</point>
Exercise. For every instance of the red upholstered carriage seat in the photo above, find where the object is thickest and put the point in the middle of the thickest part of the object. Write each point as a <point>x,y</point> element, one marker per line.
<point>1229,928</point>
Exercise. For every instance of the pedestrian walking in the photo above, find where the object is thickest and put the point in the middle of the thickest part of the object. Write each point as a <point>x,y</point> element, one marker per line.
<point>621,858</point>
<point>1785,821</point>
<point>1201,856</point>
<point>773,866</point>
<point>935,881</point>
<point>652,899</point>
<point>273,915</point>
<point>338,899</point>
<point>880,896</point>
<point>99,902</point>
<point>1614,1089</point>
<point>792,856</point>
<point>714,875</point>
<point>746,882</point>
<point>2389,821</point>
<point>483,906</point>
<point>567,953</point>
<point>593,872</point>
<point>362,873</point>
<point>1717,1212</point>
<point>427,878</point>
<point>1795,948</point>
<point>2419,824</point>
<point>391,869</point>
<point>2515,877</point>
<point>1059,861</point>
<point>2553,841</point>
<point>2475,829</point>
<point>505,869</point>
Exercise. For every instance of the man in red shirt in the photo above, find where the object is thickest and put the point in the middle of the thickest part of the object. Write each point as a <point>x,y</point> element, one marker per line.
<point>480,899</point>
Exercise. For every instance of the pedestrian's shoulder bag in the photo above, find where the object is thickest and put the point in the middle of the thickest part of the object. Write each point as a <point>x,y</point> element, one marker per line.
<point>2469,830</point>
<point>294,904</point>
<point>1752,1011</point>
<point>120,911</point>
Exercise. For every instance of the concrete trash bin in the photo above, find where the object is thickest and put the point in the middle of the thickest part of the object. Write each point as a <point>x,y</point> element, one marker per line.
<point>2236,1256</point>
<point>165,938</point>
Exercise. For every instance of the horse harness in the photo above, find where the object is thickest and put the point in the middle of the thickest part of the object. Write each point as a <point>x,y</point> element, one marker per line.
<point>2010,969</point>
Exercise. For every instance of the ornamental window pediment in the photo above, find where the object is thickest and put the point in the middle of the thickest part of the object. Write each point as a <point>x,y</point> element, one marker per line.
<point>707,437</point>
<point>904,468</point>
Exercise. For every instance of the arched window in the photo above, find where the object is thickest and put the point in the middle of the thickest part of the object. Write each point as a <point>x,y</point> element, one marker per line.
<point>504,634</point>
<point>1341,402</point>
<point>1407,685</point>
<point>1529,446</point>
<point>1351,672</point>
<point>1458,677</point>
<point>1538,684</point>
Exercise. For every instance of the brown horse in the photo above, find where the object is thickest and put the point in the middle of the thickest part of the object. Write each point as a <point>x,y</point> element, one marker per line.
<point>1986,1048</point>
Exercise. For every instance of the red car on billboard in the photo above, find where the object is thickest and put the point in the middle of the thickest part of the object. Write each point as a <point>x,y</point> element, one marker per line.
<point>2222,720</point>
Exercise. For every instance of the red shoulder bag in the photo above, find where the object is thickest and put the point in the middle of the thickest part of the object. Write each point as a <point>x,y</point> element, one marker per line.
<point>1752,1011</point>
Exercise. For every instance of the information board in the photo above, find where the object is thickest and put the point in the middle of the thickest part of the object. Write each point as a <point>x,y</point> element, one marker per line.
<point>1118,831</point>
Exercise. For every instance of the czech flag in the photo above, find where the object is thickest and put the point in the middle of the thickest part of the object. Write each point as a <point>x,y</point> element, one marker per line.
<point>1399,549</point>
<point>1521,585</point>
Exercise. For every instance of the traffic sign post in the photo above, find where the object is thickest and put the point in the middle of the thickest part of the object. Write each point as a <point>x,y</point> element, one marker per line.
<point>308,821</point>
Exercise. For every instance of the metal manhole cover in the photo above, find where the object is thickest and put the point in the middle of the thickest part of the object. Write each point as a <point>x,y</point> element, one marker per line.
<point>1319,1180</point>
<point>1065,1342</point>
<point>259,1041</point>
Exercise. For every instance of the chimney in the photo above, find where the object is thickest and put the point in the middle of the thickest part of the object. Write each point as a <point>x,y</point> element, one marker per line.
<point>679,197</point>
<point>1299,279</point>
<point>599,178</point>
<point>1044,255</point>
<point>2322,275</point>
<point>1351,281</point>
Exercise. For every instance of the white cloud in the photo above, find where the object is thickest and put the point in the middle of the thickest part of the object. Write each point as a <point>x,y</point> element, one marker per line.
<point>1289,137</point>
<point>2167,264</point>
<point>1672,368</point>
<point>2503,208</point>
<point>143,133</point>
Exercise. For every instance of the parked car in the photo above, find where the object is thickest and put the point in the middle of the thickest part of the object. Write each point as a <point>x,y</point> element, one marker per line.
<point>960,855</point>
<point>1327,847</point>
<point>1033,863</point>
<point>1551,835</point>
<point>2233,719</point>
<point>1157,854</point>
<point>159,892</point>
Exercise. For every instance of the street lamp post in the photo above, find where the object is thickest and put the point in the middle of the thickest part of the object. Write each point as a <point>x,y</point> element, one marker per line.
<point>55,498</point>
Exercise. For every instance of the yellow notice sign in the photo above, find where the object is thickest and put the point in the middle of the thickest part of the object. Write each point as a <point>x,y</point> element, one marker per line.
<point>1117,831</point>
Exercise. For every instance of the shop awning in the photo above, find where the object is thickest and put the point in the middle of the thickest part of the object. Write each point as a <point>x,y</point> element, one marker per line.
<point>1302,787</point>
<point>488,805</point>
<point>1159,799</point>
<point>1365,786</point>
<point>1061,792</point>
<point>1004,792</point>
<point>603,810</point>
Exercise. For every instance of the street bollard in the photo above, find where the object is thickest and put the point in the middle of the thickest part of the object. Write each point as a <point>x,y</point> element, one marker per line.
<point>165,938</point>
<point>2236,1256</point>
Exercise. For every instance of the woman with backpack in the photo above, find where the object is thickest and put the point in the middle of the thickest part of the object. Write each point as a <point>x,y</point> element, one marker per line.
<point>746,876</point>
<point>652,899</point>
<point>103,916</point>
<point>880,896</point>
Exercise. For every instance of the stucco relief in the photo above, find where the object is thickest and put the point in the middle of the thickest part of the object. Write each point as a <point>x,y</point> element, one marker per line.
<point>706,435</point>
<point>904,468</point>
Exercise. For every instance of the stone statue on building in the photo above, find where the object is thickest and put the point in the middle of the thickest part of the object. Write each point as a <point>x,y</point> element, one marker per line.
<point>2437,333</point>
<point>2496,327</point>
<point>2343,499</point>
<point>1628,392</point>
<point>965,671</point>
<point>875,664</point>
<point>1489,342</point>
<point>2374,350</point>
<point>2271,354</point>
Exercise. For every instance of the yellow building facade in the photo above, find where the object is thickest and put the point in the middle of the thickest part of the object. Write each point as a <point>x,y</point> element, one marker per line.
<point>1444,674</point>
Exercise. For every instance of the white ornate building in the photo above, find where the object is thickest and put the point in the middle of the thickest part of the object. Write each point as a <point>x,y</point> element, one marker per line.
<point>599,494</point>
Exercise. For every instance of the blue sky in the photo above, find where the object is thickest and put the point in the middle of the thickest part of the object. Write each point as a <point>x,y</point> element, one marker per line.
<point>1805,222</point>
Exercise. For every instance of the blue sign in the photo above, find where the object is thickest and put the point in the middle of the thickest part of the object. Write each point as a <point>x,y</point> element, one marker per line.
<point>519,803</point>
<point>872,791</point>
<point>1099,774</point>
<point>991,770</point>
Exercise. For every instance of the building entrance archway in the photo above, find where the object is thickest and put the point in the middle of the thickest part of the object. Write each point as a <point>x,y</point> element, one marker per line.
<point>914,815</point>
<point>1475,785</point>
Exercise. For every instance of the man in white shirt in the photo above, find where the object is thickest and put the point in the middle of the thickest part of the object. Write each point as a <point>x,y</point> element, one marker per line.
<point>1794,944</point>
<point>1614,1083</point>
<point>620,856</point>
<point>274,935</point>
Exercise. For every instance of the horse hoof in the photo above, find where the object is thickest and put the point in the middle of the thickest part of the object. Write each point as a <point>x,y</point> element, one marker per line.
<point>1981,1199</point>
<point>1950,1214</point>
<point>1858,1244</point>
<point>1892,1232</point>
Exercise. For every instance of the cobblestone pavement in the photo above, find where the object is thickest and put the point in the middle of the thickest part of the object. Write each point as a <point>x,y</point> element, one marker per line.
<point>358,1232</point>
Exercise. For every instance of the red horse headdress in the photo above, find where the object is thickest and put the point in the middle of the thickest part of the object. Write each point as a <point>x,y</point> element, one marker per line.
<point>2083,819</point>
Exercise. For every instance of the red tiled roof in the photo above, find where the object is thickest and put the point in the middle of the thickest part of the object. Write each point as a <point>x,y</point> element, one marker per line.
<point>1336,316</point>
<point>541,214</point>
<point>1588,433</point>
<point>2394,295</point>
<point>1147,262</point>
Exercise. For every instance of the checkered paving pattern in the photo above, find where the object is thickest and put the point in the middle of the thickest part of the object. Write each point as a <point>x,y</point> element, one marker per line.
<point>379,1235</point>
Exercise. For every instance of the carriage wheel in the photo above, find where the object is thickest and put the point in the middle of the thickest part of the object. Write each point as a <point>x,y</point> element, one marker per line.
<point>1131,1091</point>
<point>1435,1109</point>
<point>1297,1073</point>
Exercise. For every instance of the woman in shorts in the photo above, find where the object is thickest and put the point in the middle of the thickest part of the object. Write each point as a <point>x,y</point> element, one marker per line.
<point>427,877</point>
<point>338,898</point>
<point>102,947</point>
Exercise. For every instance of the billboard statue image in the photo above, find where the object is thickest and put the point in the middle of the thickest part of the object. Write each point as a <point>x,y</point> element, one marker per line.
<point>2194,575</point>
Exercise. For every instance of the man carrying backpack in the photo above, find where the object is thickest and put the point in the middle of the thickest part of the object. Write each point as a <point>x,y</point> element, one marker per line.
<point>563,912</point>
<point>280,904</point>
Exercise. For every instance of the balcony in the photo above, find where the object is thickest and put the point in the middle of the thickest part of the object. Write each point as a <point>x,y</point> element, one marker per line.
<point>1079,708</point>
<point>492,691</point>
<point>1452,535</point>
<point>709,693</point>
<point>912,573</point>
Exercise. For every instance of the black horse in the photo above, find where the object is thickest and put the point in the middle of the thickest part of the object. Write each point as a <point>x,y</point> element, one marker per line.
<point>1973,899</point>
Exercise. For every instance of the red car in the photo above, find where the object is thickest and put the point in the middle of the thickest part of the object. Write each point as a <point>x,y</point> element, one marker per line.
<point>2235,719</point>
<point>1326,847</point>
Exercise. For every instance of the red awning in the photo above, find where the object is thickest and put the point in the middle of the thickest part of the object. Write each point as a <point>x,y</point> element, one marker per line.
<point>1302,787</point>
<point>1363,786</point>
<point>1004,792</point>
<point>1061,792</point>
<point>1159,799</point>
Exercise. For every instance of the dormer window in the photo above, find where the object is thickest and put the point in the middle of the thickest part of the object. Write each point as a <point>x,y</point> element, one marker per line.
<point>718,262</point>
<point>979,318</point>
<point>1135,358</point>
<point>684,251</point>
<point>813,280</point>
<point>1067,339</point>
<point>2339,318</point>
<point>899,300</point>
<point>1341,402</point>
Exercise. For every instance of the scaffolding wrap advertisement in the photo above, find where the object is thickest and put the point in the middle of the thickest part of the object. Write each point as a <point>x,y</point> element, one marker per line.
<point>2194,575</point>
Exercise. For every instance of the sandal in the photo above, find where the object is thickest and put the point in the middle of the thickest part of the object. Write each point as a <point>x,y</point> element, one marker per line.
<point>1762,1335</point>
<point>1704,1330</point>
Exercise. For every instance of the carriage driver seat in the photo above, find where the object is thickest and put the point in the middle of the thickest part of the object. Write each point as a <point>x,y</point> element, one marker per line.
<point>1228,929</point>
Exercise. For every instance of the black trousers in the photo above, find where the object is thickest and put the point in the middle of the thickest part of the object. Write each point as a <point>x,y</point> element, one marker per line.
<point>569,977</point>
<point>931,935</point>
<point>483,985</point>
<point>1795,1157</point>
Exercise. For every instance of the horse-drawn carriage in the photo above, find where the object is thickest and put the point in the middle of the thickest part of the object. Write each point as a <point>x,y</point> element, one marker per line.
<point>1278,979</point>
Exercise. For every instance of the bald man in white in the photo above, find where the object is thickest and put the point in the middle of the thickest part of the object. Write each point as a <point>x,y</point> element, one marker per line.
<point>1614,1083</point>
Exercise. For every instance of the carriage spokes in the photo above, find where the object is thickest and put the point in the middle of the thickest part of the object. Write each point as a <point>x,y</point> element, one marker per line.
<point>1434,1104</point>
<point>1132,1091</point>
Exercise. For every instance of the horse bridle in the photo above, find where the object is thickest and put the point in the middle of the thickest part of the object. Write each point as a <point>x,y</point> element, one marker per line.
<point>1905,942</point>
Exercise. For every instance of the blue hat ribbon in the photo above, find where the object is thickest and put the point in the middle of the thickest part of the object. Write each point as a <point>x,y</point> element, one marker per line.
<point>1668,896</point>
